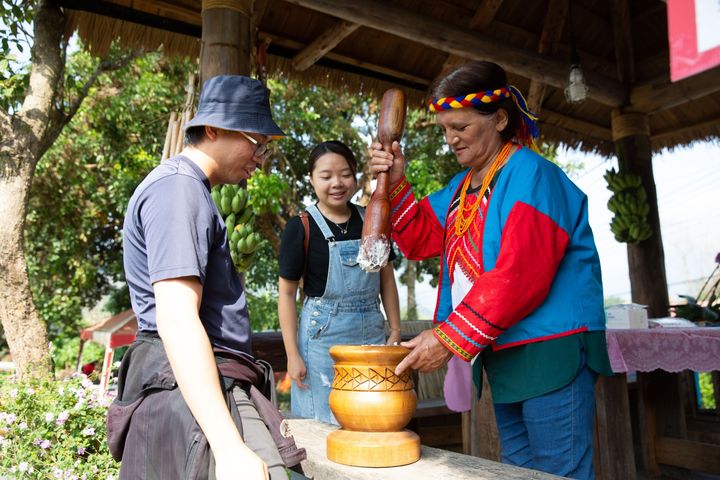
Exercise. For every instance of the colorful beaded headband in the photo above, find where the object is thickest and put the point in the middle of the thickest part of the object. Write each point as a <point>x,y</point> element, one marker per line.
<point>480,98</point>
<point>527,131</point>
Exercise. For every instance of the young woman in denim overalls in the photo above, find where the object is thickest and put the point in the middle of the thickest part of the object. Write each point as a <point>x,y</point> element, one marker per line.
<point>346,310</point>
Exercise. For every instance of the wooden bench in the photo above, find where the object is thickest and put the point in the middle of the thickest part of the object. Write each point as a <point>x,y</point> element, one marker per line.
<point>433,463</point>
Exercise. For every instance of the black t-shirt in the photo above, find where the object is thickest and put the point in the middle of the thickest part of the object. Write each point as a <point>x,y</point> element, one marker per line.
<point>292,251</point>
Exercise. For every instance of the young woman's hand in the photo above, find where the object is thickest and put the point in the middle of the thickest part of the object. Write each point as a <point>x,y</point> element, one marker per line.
<point>297,371</point>
<point>394,338</point>
<point>382,161</point>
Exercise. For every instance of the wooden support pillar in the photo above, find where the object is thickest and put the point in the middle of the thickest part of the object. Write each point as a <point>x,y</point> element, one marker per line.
<point>226,46</point>
<point>661,415</point>
<point>483,433</point>
<point>646,260</point>
<point>613,458</point>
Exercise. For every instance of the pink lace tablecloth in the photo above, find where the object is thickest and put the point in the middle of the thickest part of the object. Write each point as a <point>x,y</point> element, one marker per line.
<point>669,349</point>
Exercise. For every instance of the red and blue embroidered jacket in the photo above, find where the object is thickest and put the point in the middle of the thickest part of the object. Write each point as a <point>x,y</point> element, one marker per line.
<point>540,269</point>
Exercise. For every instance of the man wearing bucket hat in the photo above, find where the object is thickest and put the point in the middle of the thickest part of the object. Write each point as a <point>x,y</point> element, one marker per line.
<point>192,316</point>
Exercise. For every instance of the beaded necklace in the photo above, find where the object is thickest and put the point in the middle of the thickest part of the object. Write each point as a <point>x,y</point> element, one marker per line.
<point>466,213</point>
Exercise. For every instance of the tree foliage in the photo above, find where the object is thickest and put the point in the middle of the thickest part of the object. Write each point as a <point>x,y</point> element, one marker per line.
<point>79,194</point>
<point>15,41</point>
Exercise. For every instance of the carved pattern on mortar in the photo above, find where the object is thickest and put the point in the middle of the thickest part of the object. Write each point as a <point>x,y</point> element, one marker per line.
<point>370,379</point>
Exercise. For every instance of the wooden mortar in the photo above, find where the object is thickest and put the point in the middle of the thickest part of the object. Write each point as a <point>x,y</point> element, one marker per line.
<point>372,405</point>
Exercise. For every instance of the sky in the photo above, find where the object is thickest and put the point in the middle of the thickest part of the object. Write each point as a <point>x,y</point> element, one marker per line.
<point>688,187</point>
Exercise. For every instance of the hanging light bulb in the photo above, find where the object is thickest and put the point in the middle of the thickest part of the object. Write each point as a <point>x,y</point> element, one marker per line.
<point>576,91</point>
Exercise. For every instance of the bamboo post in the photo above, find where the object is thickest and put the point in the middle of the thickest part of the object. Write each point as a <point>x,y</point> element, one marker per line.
<point>169,139</point>
<point>226,43</point>
<point>174,133</point>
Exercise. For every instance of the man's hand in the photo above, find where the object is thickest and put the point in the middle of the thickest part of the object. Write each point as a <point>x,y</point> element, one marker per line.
<point>238,461</point>
<point>427,355</point>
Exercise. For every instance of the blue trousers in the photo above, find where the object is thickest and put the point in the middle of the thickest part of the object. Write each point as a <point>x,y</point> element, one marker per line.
<point>552,433</point>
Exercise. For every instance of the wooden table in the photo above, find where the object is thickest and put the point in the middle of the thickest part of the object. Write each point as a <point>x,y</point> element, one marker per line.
<point>433,464</point>
<point>657,355</point>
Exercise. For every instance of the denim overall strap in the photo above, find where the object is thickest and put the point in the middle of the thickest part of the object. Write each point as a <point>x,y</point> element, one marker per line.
<point>314,212</point>
<point>347,313</point>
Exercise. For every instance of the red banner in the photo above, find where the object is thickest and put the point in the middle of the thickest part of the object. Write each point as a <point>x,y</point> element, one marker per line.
<point>694,36</point>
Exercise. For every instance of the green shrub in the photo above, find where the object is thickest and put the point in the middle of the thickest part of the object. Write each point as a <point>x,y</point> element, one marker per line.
<point>707,394</point>
<point>54,429</point>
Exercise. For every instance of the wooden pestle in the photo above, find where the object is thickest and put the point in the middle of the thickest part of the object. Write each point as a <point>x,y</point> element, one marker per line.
<point>377,215</point>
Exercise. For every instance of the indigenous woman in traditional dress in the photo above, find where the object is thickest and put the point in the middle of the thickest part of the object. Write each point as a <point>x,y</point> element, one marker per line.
<point>520,292</point>
<point>341,305</point>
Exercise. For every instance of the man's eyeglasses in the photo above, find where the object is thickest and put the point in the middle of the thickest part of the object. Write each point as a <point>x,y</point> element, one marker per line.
<point>261,150</point>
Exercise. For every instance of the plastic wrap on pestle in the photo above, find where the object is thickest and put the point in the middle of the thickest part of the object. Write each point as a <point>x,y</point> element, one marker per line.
<point>374,252</point>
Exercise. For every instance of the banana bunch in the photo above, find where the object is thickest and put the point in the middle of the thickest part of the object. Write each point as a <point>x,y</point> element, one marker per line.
<point>630,206</point>
<point>232,202</point>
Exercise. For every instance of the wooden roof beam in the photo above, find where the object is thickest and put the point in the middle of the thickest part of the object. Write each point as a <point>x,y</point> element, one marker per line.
<point>575,125</point>
<point>438,35</point>
<point>259,8</point>
<point>663,95</point>
<point>121,12</point>
<point>691,130</point>
<point>273,39</point>
<point>484,15</point>
<point>323,44</point>
<point>622,35</point>
<point>531,39</point>
<point>552,32</point>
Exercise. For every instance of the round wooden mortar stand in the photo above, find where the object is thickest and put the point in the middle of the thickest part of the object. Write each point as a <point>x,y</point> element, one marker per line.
<point>372,405</point>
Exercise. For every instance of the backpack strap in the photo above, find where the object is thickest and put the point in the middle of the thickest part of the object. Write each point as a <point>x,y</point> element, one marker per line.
<point>305,219</point>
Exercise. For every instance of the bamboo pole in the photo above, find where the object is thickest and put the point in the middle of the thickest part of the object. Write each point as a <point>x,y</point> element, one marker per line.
<point>174,134</point>
<point>168,138</point>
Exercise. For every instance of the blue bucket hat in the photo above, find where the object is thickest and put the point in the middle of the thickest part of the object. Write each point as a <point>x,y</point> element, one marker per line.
<point>235,102</point>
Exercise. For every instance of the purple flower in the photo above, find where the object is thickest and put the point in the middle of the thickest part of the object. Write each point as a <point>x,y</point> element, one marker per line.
<point>8,418</point>
<point>81,450</point>
<point>89,431</point>
<point>49,417</point>
<point>62,418</point>
<point>45,444</point>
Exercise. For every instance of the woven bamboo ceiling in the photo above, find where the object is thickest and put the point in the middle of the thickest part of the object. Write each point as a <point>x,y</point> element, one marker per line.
<point>374,44</point>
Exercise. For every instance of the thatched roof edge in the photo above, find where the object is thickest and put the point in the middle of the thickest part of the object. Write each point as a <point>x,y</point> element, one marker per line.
<point>98,32</point>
